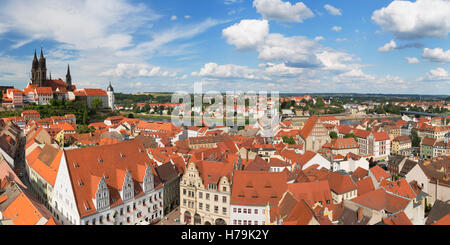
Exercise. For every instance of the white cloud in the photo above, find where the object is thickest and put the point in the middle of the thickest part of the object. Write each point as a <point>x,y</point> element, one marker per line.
<point>247,34</point>
<point>354,75</point>
<point>281,70</point>
<point>388,47</point>
<point>319,38</point>
<point>228,71</point>
<point>438,74</point>
<point>336,28</point>
<point>335,60</point>
<point>332,10</point>
<point>282,11</point>
<point>437,55</point>
<point>82,24</point>
<point>137,70</point>
<point>412,60</point>
<point>415,20</point>
<point>164,37</point>
<point>341,39</point>
<point>296,51</point>
<point>173,17</point>
<point>187,16</point>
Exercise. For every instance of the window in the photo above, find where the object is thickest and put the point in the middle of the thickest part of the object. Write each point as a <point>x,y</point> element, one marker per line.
<point>239,210</point>
<point>200,195</point>
<point>234,222</point>
<point>234,210</point>
<point>216,209</point>
<point>245,210</point>
<point>224,210</point>
<point>256,211</point>
<point>184,191</point>
<point>245,222</point>
<point>207,207</point>
<point>184,202</point>
<point>216,198</point>
<point>200,205</point>
<point>224,188</point>
<point>224,199</point>
<point>207,196</point>
<point>249,222</point>
<point>240,222</point>
<point>249,211</point>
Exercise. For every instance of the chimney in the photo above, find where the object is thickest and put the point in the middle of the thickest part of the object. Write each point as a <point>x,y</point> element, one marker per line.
<point>202,155</point>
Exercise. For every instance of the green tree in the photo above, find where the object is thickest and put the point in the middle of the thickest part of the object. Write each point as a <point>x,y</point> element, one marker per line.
<point>415,138</point>
<point>333,135</point>
<point>146,107</point>
<point>85,115</point>
<point>288,140</point>
<point>96,103</point>
<point>319,102</point>
<point>350,135</point>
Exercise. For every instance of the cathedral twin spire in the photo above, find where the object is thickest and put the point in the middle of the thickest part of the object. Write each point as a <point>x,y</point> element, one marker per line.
<point>39,71</point>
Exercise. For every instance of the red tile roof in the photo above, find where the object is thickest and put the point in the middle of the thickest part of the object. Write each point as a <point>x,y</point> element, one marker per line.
<point>397,219</point>
<point>300,215</point>
<point>379,173</point>
<point>400,187</point>
<point>340,183</point>
<point>91,92</point>
<point>257,188</point>
<point>311,192</point>
<point>44,90</point>
<point>344,143</point>
<point>309,125</point>
<point>443,221</point>
<point>379,136</point>
<point>88,165</point>
<point>381,200</point>
<point>364,185</point>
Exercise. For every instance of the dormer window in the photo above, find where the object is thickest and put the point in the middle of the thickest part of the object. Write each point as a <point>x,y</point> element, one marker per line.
<point>100,160</point>
<point>75,165</point>
<point>122,155</point>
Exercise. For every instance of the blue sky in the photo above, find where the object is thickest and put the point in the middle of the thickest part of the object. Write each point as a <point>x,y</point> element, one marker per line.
<point>375,46</point>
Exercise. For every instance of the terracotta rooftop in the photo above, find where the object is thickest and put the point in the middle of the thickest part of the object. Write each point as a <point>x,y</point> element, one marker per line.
<point>87,166</point>
<point>257,188</point>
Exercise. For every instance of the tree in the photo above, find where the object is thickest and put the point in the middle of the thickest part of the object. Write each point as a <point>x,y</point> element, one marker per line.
<point>350,135</point>
<point>288,140</point>
<point>333,135</point>
<point>146,107</point>
<point>96,103</point>
<point>415,138</point>
<point>85,115</point>
<point>68,104</point>
<point>319,102</point>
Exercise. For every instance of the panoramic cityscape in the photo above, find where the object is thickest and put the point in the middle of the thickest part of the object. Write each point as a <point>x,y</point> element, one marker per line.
<point>225,112</point>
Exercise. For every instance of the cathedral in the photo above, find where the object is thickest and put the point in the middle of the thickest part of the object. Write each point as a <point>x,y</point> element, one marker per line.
<point>39,76</point>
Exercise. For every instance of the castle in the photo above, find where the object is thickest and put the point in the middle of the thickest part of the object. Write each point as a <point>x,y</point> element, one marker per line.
<point>39,76</point>
<point>42,88</point>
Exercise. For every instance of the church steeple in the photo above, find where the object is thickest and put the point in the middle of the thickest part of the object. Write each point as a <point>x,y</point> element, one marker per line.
<point>68,78</point>
<point>35,61</point>
<point>34,67</point>
<point>42,64</point>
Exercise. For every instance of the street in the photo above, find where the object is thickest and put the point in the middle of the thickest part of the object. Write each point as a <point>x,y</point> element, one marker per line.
<point>170,218</point>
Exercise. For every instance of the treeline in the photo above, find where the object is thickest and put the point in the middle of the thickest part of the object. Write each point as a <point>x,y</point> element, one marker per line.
<point>395,109</point>
<point>131,99</point>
